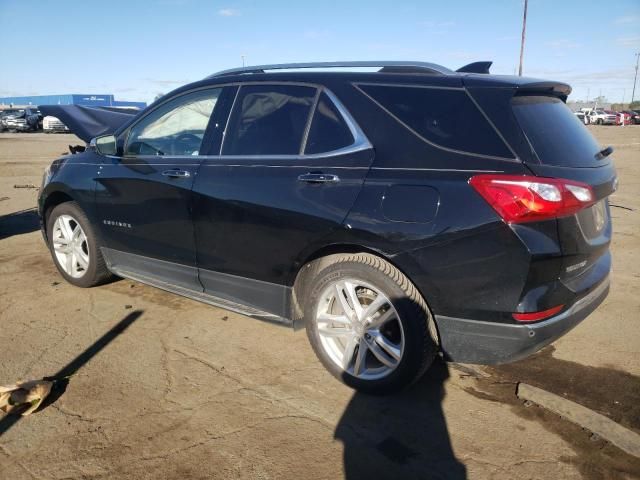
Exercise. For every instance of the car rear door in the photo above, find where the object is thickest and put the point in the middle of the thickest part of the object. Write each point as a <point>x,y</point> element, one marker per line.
<point>291,166</point>
<point>144,197</point>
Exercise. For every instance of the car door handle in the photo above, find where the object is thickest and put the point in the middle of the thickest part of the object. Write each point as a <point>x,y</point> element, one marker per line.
<point>176,173</point>
<point>318,178</point>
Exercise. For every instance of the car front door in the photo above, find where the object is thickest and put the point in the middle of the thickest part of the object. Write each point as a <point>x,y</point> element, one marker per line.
<point>144,197</point>
<point>291,166</point>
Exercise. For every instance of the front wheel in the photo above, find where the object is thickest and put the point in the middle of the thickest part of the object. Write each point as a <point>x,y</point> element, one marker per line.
<point>368,324</point>
<point>74,246</point>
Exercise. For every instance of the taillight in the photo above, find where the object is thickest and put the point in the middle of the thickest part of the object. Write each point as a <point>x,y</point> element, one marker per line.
<point>535,316</point>
<point>522,198</point>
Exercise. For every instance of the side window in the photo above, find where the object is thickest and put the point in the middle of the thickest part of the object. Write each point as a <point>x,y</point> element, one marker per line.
<point>176,128</point>
<point>328,130</point>
<point>268,120</point>
<point>445,117</point>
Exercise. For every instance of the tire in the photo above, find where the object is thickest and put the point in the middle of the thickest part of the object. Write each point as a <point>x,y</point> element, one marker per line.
<point>599,122</point>
<point>410,329</point>
<point>95,272</point>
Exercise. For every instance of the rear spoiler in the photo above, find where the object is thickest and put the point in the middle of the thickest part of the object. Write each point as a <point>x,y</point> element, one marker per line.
<point>476,67</point>
<point>88,122</point>
<point>557,89</point>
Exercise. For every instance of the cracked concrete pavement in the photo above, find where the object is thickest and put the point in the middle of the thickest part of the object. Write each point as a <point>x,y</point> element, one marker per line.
<point>193,391</point>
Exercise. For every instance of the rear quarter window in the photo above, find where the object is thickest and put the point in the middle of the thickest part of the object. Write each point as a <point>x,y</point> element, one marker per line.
<point>329,131</point>
<point>443,117</point>
<point>556,135</point>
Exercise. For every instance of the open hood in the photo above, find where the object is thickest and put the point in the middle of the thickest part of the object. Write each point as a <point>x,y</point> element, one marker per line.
<point>88,122</point>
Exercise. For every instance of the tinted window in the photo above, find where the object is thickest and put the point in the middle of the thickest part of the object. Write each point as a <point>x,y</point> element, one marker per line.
<point>328,130</point>
<point>268,120</point>
<point>556,135</point>
<point>447,118</point>
<point>175,128</point>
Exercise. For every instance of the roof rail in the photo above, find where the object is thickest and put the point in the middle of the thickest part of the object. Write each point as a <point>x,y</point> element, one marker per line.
<point>414,67</point>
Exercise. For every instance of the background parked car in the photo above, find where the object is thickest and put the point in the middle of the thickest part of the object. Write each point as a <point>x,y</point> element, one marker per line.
<point>582,117</point>
<point>22,120</point>
<point>633,117</point>
<point>600,117</point>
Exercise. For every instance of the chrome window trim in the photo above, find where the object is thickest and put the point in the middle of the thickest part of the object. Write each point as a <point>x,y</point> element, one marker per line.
<point>433,144</point>
<point>307,127</point>
<point>226,124</point>
<point>360,140</point>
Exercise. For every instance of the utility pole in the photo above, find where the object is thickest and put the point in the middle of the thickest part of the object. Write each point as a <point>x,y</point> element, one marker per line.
<point>633,92</point>
<point>524,30</point>
<point>242,60</point>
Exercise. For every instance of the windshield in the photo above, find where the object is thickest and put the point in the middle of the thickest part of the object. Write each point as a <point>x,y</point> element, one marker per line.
<point>15,113</point>
<point>556,135</point>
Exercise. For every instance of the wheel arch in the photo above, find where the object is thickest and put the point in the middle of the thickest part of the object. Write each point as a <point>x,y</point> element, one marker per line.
<point>48,202</point>
<point>317,260</point>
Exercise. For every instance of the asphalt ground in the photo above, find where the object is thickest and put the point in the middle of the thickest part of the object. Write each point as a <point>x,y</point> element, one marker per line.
<point>165,387</point>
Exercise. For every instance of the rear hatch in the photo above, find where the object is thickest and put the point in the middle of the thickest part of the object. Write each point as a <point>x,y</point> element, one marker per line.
<point>563,148</point>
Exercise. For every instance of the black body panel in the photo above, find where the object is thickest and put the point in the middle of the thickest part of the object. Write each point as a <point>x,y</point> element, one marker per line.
<point>146,213</point>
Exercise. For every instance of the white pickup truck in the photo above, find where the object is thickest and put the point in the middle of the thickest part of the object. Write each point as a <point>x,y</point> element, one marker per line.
<point>52,124</point>
<point>599,117</point>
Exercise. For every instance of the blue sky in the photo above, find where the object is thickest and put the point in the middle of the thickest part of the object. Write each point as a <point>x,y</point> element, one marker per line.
<point>137,49</point>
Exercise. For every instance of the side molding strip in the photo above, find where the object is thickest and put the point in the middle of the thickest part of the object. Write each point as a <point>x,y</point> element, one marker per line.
<point>163,284</point>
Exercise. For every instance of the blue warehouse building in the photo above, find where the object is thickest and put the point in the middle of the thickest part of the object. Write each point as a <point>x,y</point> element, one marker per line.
<point>87,100</point>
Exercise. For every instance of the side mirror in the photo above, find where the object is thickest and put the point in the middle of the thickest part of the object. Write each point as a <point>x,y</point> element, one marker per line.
<point>105,145</point>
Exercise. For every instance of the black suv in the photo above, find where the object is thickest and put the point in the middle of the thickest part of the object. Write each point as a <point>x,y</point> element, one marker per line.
<point>398,214</point>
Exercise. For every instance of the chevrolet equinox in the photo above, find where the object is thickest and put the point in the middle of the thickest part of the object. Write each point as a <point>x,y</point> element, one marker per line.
<point>397,213</point>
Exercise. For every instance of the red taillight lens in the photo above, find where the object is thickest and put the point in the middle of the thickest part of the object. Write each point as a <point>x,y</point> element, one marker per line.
<point>522,198</point>
<point>535,316</point>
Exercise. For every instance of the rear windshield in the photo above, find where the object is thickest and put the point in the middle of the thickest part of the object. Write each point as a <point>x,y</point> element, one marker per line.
<point>555,133</point>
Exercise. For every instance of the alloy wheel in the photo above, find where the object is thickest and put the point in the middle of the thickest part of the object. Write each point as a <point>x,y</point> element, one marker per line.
<point>70,246</point>
<point>360,329</point>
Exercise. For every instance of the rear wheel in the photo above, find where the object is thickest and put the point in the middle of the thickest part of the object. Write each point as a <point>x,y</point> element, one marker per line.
<point>74,246</point>
<point>368,324</point>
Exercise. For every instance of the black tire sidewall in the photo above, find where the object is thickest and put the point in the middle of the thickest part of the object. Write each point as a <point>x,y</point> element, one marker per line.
<point>72,209</point>
<point>412,317</point>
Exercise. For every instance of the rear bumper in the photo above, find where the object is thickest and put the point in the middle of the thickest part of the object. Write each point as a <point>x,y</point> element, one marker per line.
<point>472,341</point>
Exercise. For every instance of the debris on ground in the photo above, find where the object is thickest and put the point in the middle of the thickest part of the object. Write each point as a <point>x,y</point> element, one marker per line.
<point>24,398</point>
<point>2,199</point>
<point>26,185</point>
<point>622,206</point>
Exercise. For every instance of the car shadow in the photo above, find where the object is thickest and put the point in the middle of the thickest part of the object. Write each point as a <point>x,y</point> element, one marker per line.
<point>61,378</point>
<point>403,435</point>
<point>17,223</point>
